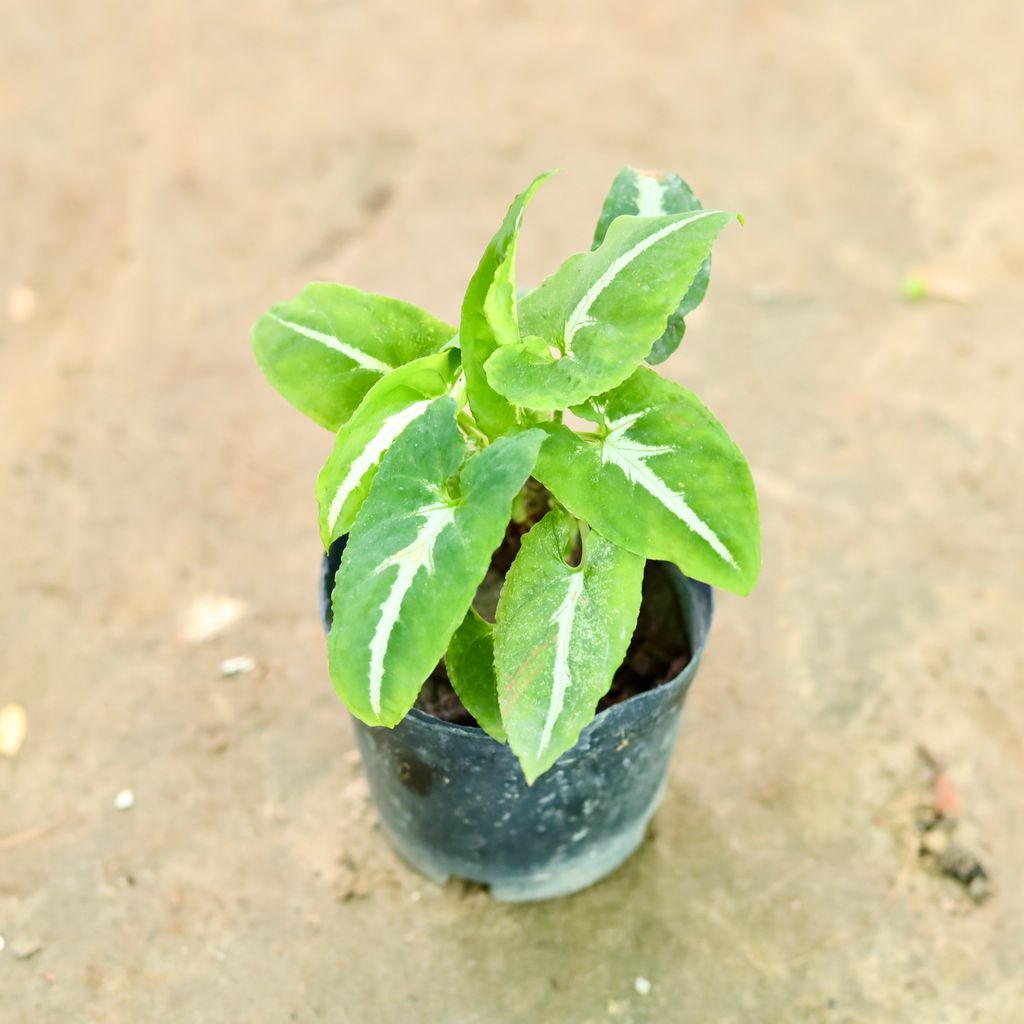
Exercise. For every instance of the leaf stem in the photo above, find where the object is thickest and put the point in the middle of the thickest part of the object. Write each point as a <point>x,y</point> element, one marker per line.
<point>468,424</point>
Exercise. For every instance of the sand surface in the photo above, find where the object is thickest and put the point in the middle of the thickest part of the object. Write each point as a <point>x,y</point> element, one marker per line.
<point>168,169</point>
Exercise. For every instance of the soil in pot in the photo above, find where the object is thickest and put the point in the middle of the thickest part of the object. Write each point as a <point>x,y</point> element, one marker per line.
<point>657,653</point>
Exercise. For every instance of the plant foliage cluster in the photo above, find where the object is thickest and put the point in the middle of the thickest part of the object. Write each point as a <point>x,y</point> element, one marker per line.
<point>438,432</point>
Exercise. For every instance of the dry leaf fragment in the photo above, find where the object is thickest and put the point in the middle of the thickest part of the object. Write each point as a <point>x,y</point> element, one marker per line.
<point>946,796</point>
<point>937,284</point>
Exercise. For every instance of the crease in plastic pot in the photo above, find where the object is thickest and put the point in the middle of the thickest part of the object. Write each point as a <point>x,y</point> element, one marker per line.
<point>454,801</point>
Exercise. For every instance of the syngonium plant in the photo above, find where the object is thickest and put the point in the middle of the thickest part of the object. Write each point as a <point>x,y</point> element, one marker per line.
<point>441,435</point>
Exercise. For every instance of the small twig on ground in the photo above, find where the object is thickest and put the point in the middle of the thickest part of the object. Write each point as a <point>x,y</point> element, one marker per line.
<point>29,835</point>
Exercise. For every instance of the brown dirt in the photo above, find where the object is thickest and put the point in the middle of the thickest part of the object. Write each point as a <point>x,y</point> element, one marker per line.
<point>169,168</point>
<point>658,650</point>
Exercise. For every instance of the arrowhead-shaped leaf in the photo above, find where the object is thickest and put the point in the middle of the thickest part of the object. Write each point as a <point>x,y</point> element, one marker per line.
<point>662,478</point>
<point>561,633</point>
<point>470,664</point>
<point>385,411</point>
<point>651,194</point>
<point>592,322</point>
<point>490,319</point>
<point>326,348</point>
<point>416,555</point>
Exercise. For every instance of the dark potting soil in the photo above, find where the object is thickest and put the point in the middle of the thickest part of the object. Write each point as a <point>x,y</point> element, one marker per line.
<point>658,651</point>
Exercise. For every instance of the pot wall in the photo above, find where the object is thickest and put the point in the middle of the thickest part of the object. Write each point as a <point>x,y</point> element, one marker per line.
<point>454,801</point>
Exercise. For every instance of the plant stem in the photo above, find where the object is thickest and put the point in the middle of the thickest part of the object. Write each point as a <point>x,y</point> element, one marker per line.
<point>468,424</point>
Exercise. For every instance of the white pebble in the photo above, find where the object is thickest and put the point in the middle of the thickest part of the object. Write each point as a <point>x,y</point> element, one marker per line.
<point>237,666</point>
<point>124,800</point>
<point>642,986</point>
<point>13,727</point>
<point>2,943</point>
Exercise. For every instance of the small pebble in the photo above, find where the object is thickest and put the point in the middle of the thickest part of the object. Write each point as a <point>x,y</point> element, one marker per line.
<point>25,949</point>
<point>935,841</point>
<point>642,986</point>
<point>3,943</point>
<point>237,666</point>
<point>124,800</point>
<point>13,727</point>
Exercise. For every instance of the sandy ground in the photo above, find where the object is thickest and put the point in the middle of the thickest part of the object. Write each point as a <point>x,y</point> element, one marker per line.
<point>168,169</point>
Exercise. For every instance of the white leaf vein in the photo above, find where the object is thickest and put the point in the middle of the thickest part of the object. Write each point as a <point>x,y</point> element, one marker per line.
<point>363,359</point>
<point>371,455</point>
<point>631,457</point>
<point>580,317</point>
<point>417,555</point>
<point>561,675</point>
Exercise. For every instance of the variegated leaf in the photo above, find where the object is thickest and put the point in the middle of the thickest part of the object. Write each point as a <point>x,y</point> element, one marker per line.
<point>470,664</point>
<point>394,402</point>
<point>651,194</point>
<point>662,478</point>
<point>561,633</point>
<point>326,348</point>
<point>591,323</point>
<point>418,551</point>
<point>490,318</point>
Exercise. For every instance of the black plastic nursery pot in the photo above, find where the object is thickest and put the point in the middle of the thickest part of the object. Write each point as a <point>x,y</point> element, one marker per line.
<point>454,801</point>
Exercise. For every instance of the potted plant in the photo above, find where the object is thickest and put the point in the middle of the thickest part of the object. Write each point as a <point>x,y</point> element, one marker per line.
<point>516,604</point>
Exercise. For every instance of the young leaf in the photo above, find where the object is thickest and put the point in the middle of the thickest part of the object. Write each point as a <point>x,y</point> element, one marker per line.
<point>663,480</point>
<point>326,348</point>
<point>470,664</point>
<point>385,411</point>
<point>560,634</point>
<point>592,322</point>
<point>489,317</point>
<point>418,551</point>
<point>651,194</point>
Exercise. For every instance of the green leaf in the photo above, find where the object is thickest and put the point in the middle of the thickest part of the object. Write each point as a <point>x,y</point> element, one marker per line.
<point>470,664</point>
<point>326,348</point>
<point>650,194</point>
<point>637,193</point>
<point>561,632</point>
<point>385,411</point>
<point>661,478</point>
<point>671,339</point>
<point>595,319</point>
<point>490,319</point>
<point>418,551</point>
